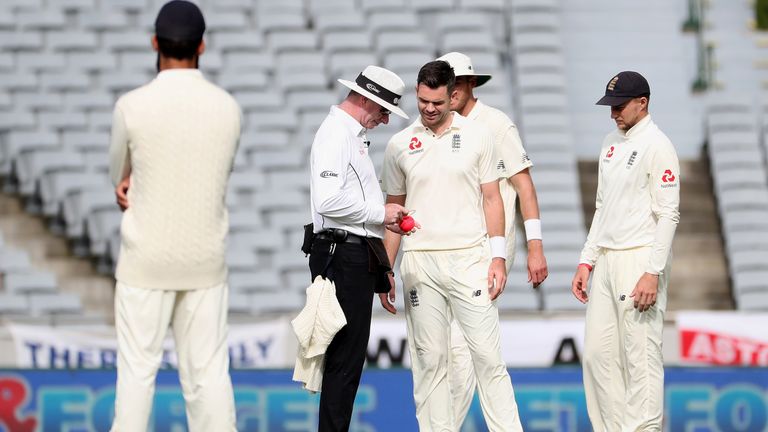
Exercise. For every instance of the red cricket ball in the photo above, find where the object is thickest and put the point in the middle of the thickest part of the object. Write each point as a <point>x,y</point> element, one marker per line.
<point>407,224</point>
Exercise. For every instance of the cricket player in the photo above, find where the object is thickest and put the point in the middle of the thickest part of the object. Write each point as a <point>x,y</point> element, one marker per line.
<point>629,250</point>
<point>513,166</point>
<point>172,148</point>
<point>443,166</point>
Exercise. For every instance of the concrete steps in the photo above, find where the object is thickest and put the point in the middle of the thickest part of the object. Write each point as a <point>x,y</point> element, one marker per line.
<point>699,273</point>
<point>49,252</point>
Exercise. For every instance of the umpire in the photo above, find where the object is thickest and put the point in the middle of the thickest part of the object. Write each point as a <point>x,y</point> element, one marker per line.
<point>349,217</point>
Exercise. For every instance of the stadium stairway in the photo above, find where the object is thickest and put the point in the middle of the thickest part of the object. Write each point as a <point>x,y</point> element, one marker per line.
<point>699,271</point>
<point>50,253</point>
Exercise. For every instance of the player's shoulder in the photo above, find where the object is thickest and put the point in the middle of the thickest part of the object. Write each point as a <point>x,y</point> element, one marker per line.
<point>658,140</point>
<point>494,115</point>
<point>136,95</point>
<point>404,136</point>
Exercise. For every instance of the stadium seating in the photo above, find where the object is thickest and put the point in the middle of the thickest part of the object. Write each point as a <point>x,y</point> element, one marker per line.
<point>62,68</point>
<point>741,187</point>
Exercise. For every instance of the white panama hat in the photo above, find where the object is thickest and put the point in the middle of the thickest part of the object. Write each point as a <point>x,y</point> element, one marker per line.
<point>462,66</point>
<point>381,86</point>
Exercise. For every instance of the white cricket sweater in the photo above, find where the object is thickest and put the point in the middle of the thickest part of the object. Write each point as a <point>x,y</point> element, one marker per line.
<point>176,137</point>
<point>638,195</point>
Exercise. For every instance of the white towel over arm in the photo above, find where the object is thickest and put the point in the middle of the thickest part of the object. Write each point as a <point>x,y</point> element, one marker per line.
<point>315,327</point>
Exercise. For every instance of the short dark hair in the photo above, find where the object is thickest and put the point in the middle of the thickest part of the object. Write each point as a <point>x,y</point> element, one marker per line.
<point>182,50</point>
<point>436,74</point>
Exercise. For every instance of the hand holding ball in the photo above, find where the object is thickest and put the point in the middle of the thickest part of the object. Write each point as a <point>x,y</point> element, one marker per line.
<point>407,224</point>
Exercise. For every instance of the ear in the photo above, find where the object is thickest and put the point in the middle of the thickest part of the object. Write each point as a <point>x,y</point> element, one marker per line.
<point>201,48</point>
<point>155,44</point>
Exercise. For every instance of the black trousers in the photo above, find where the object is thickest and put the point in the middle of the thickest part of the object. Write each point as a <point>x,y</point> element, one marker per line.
<point>345,356</point>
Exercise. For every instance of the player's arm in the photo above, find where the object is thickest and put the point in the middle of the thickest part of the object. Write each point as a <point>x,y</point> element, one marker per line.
<point>664,185</point>
<point>119,158</point>
<point>330,158</point>
<point>392,245</point>
<point>493,209</point>
<point>591,250</point>
<point>529,206</point>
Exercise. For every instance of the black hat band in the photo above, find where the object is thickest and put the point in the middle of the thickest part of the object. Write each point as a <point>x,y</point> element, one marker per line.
<point>376,89</point>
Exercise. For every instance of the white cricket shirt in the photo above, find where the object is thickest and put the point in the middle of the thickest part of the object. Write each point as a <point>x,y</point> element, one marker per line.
<point>344,190</point>
<point>638,195</point>
<point>511,159</point>
<point>441,177</point>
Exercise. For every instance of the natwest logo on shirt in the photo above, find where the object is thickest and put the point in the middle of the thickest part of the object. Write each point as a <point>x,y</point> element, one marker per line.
<point>415,146</point>
<point>609,154</point>
<point>668,179</point>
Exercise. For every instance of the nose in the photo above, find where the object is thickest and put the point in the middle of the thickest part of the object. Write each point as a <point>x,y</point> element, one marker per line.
<point>615,111</point>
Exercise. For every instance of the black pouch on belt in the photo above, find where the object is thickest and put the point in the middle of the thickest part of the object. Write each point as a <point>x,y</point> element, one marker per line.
<point>379,264</point>
<point>309,238</point>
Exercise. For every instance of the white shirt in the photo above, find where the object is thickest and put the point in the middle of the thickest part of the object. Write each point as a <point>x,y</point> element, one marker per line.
<point>441,177</point>
<point>177,136</point>
<point>638,195</point>
<point>344,189</point>
<point>511,159</point>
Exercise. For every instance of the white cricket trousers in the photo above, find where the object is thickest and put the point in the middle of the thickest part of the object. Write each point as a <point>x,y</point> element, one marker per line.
<point>199,322</point>
<point>623,366</point>
<point>435,285</point>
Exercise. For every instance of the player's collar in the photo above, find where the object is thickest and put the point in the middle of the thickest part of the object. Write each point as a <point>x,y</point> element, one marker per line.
<point>638,128</point>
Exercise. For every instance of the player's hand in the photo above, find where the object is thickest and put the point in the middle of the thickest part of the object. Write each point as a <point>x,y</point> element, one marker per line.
<point>393,214</point>
<point>537,264</point>
<point>121,193</point>
<point>645,291</point>
<point>579,284</point>
<point>388,299</point>
<point>497,277</point>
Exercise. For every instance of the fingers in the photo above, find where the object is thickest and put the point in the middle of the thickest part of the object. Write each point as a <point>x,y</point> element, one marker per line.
<point>389,307</point>
<point>643,300</point>
<point>578,287</point>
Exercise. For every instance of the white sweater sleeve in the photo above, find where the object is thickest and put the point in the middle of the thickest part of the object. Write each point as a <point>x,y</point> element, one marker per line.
<point>119,157</point>
<point>590,251</point>
<point>665,204</point>
<point>331,170</point>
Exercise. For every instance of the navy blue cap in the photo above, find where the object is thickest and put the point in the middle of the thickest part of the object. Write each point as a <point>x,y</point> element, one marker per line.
<point>180,20</point>
<point>623,87</point>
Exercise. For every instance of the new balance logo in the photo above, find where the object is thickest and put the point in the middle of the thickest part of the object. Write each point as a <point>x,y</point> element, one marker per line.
<point>501,166</point>
<point>477,293</point>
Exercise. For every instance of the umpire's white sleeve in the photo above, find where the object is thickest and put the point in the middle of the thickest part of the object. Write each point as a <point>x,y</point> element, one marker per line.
<point>333,179</point>
<point>665,203</point>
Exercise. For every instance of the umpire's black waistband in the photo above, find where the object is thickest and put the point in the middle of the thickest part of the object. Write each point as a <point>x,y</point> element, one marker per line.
<point>337,235</point>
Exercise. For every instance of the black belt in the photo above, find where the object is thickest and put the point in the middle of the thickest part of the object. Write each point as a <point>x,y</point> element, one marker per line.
<point>336,235</point>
